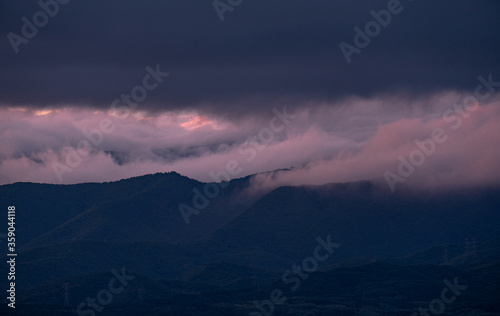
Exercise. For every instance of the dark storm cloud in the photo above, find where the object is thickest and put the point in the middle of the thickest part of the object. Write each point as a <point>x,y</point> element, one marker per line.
<point>91,52</point>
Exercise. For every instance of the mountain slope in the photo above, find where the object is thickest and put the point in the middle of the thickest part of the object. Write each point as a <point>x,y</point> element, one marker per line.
<point>136,209</point>
<point>366,221</point>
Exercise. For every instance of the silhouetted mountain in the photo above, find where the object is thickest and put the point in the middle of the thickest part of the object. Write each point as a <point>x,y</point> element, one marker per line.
<point>137,209</point>
<point>366,221</point>
<point>395,249</point>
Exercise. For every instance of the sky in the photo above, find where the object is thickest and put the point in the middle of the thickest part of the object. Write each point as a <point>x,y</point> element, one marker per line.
<point>404,93</point>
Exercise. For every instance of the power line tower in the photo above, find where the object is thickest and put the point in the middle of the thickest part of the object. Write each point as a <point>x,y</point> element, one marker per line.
<point>53,290</point>
<point>171,293</point>
<point>66,293</point>
<point>470,247</point>
<point>140,294</point>
<point>445,256</point>
<point>184,278</point>
<point>255,279</point>
<point>473,247</point>
<point>363,290</point>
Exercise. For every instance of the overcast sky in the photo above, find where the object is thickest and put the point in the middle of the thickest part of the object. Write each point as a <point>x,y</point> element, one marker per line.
<point>228,68</point>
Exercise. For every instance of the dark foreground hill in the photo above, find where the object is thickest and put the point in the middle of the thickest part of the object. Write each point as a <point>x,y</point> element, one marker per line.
<point>376,288</point>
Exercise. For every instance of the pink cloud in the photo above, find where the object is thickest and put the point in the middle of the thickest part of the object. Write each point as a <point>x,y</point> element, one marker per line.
<point>356,139</point>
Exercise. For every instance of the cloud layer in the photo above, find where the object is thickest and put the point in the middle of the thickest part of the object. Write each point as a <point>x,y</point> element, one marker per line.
<point>91,52</point>
<point>358,139</point>
<point>101,91</point>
